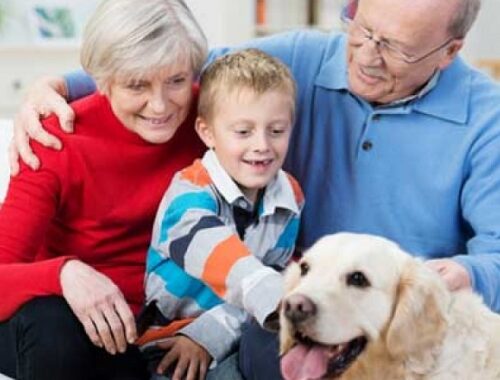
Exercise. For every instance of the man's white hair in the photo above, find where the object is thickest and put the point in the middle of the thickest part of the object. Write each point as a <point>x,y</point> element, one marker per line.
<point>466,14</point>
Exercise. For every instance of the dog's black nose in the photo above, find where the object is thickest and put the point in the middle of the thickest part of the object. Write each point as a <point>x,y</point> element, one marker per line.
<point>299,308</point>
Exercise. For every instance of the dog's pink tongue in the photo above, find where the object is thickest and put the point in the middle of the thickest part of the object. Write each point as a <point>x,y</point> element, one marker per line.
<point>304,363</point>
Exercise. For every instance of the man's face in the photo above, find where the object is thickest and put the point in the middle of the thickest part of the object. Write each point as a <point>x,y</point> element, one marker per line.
<point>414,28</point>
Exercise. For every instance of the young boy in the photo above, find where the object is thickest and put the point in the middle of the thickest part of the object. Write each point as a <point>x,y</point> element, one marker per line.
<point>227,224</point>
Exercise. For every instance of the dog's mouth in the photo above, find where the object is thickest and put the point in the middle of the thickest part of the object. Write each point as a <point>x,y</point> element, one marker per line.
<point>311,360</point>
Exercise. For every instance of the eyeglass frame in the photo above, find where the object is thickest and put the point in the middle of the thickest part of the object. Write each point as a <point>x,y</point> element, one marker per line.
<point>401,55</point>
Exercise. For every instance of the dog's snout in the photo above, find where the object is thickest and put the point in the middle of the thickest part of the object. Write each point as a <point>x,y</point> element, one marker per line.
<point>299,308</point>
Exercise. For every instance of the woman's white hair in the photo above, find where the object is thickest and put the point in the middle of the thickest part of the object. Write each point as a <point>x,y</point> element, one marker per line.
<point>133,37</point>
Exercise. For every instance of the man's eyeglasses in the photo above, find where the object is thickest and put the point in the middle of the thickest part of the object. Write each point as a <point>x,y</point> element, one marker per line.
<point>358,35</point>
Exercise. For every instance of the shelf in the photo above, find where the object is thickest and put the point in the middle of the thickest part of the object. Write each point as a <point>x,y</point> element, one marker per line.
<point>322,15</point>
<point>30,48</point>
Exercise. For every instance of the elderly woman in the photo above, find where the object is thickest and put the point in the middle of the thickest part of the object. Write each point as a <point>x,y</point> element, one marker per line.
<point>74,234</point>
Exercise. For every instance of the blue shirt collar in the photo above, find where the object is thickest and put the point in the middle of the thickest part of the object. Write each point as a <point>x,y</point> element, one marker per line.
<point>449,100</point>
<point>333,74</point>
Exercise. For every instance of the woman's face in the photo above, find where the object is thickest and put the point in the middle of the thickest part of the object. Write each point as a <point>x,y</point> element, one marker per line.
<point>155,105</point>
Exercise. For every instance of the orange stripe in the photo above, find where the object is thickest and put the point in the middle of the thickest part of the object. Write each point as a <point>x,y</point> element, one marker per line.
<point>152,334</point>
<point>220,262</point>
<point>297,190</point>
<point>196,174</point>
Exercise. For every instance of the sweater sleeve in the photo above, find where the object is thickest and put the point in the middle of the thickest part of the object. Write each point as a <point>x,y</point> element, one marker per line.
<point>189,232</point>
<point>29,207</point>
<point>218,330</point>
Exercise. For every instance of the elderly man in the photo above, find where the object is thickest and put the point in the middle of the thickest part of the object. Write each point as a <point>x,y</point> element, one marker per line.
<point>396,136</point>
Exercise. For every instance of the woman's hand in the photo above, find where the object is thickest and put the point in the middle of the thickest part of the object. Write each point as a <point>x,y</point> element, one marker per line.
<point>189,357</point>
<point>99,305</point>
<point>44,97</point>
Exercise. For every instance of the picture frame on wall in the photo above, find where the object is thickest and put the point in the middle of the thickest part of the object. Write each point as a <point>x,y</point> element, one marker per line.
<point>53,22</point>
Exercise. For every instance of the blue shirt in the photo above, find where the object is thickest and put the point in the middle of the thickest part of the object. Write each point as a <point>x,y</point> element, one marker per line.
<point>425,173</point>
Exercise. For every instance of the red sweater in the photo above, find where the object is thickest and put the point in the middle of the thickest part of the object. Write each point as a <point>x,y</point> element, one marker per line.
<point>95,200</point>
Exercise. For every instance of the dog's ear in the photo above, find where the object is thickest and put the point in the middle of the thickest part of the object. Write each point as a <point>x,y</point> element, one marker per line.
<point>286,337</point>
<point>418,322</point>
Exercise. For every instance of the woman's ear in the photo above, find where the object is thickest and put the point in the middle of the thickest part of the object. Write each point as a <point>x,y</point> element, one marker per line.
<point>205,131</point>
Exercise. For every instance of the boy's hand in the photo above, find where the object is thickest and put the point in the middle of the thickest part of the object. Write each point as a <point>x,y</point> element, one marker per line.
<point>191,359</point>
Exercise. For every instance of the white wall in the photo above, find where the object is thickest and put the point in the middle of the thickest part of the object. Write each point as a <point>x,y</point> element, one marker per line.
<point>483,40</point>
<point>18,27</point>
<point>225,22</point>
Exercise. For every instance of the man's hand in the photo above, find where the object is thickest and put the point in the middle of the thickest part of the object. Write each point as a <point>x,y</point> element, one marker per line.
<point>189,357</point>
<point>99,305</point>
<point>454,275</point>
<point>44,97</point>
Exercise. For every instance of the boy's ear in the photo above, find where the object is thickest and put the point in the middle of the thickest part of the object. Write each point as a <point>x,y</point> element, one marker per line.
<point>205,132</point>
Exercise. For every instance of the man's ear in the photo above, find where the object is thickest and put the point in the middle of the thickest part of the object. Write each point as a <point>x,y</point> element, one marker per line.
<point>205,131</point>
<point>451,52</point>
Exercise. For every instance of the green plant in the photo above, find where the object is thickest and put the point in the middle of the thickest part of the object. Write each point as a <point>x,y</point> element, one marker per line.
<point>3,12</point>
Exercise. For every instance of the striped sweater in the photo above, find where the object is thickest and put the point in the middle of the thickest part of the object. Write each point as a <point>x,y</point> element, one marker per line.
<point>198,265</point>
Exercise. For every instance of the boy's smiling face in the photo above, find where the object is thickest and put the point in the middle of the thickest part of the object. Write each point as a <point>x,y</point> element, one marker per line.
<point>249,133</point>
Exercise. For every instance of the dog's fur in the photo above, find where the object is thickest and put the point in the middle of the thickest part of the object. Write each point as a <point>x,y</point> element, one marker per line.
<point>415,327</point>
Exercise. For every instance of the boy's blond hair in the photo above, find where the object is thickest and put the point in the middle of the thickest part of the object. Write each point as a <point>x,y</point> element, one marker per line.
<point>250,69</point>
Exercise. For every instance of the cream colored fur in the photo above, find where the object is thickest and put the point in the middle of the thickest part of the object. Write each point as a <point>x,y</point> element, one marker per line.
<point>416,328</point>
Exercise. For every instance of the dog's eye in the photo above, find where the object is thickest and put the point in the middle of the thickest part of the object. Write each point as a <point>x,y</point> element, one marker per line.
<point>304,268</point>
<point>357,279</point>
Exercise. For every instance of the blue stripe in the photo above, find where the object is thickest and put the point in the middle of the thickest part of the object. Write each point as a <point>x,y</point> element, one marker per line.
<point>179,206</point>
<point>179,247</point>
<point>153,259</point>
<point>181,284</point>
<point>260,207</point>
<point>289,235</point>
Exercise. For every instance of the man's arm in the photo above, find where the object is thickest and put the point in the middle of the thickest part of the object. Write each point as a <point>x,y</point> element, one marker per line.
<point>480,198</point>
<point>49,94</point>
<point>78,84</point>
<point>45,96</point>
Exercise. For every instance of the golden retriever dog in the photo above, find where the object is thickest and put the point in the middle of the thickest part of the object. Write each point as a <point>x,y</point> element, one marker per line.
<point>358,307</point>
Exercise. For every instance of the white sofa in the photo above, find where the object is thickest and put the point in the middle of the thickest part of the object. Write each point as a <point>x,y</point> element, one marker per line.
<point>5,137</point>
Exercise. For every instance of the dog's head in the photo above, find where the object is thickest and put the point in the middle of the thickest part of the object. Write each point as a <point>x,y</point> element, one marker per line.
<point>349,292</point>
